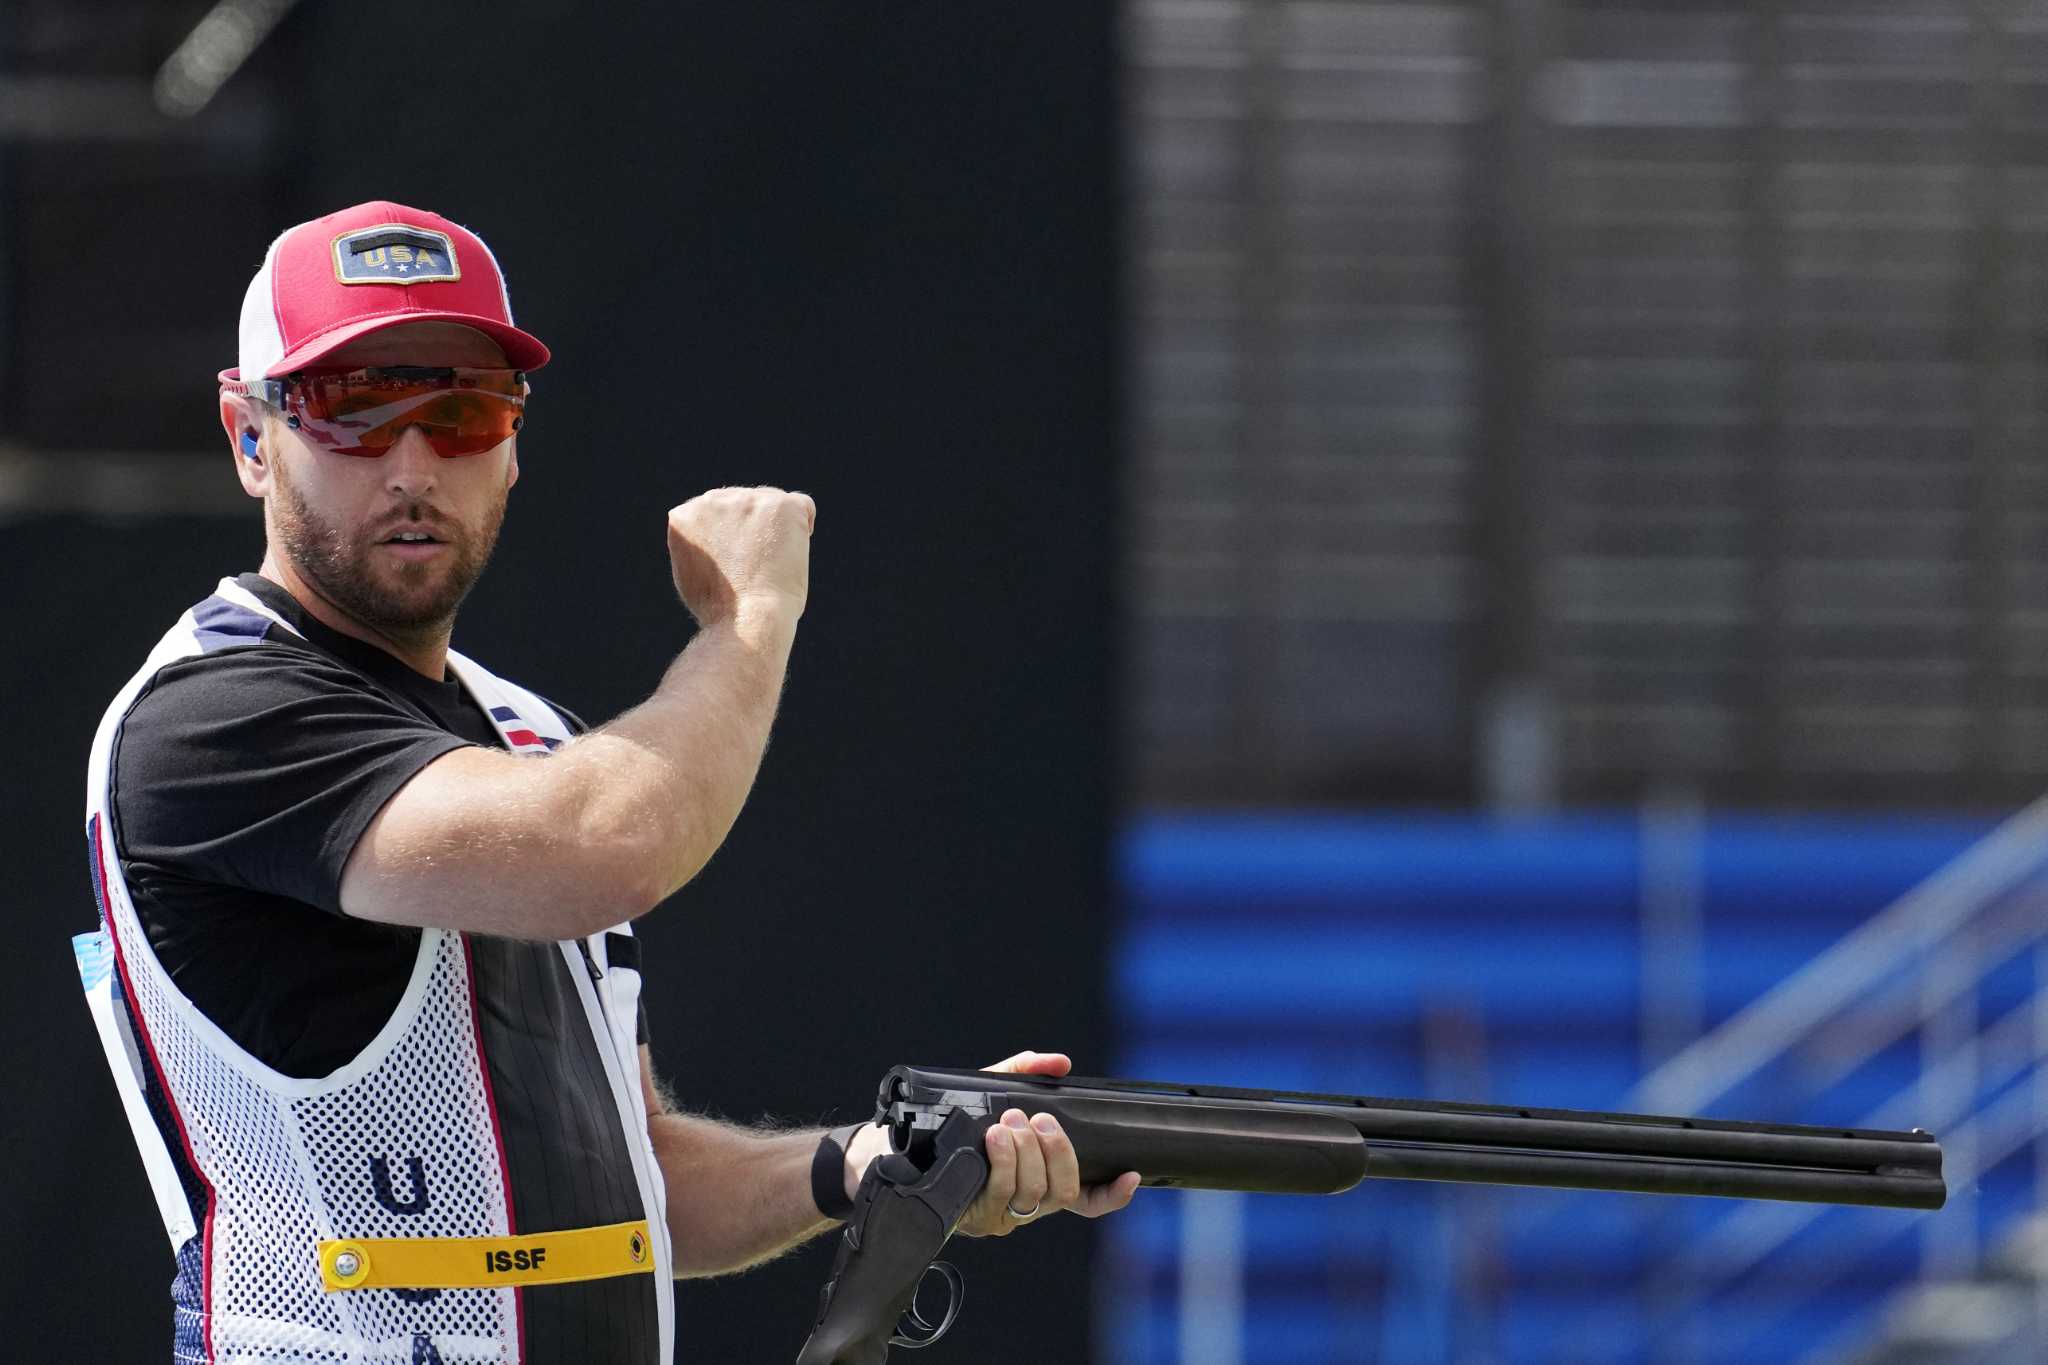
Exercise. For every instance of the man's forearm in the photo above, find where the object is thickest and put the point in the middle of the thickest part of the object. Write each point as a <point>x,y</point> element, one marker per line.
<point>661,785</point>
<point>736,1197</point>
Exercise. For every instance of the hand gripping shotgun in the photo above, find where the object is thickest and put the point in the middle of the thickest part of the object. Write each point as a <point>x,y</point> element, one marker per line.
<point>1278,1142</point>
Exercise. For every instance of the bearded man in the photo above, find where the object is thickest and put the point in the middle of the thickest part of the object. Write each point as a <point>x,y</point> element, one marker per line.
<point>366,973</point>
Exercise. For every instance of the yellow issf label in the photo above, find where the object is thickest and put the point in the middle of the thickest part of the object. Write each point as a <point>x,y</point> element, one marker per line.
<point>486,1262</point>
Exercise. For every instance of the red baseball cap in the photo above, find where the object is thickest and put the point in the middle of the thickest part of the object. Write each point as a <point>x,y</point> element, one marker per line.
<point>327,282</point>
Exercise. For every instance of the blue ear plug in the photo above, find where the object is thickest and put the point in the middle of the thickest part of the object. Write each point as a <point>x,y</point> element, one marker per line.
<point>249,444</point>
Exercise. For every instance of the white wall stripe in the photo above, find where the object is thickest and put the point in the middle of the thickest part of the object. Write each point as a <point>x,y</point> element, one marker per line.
<point>120,485</point>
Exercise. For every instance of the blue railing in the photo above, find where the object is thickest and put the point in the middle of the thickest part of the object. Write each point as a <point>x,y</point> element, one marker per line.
<point>1467,959</point>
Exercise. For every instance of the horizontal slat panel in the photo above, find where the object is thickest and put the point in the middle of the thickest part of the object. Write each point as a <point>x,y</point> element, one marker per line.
<point>1773,397</point>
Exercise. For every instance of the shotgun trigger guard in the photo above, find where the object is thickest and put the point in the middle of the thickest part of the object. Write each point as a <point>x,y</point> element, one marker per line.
<point>913,1333</point>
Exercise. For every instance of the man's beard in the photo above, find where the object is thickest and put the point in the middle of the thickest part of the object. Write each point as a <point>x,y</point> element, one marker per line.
<point>414,601</point>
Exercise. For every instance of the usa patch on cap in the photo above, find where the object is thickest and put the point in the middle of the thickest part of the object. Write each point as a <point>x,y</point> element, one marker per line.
<point>394,253</point>
<point>309,299</point>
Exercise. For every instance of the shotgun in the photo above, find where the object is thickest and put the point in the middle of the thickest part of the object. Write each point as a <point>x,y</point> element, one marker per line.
<point>1283,1142</point>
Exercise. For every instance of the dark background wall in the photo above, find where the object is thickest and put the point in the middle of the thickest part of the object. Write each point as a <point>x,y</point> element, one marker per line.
<point>866,252</point>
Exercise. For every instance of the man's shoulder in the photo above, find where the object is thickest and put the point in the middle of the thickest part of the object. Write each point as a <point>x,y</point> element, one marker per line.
<point>224,677</point>
<point>231,641</point>
<point>230,707</point>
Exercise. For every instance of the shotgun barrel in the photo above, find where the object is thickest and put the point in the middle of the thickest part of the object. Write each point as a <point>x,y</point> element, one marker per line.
<point>1211,1137</point>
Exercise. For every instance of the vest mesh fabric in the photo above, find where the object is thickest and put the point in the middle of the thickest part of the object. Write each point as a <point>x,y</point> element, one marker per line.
<point>286,1170</point>
<point>400,1142</point>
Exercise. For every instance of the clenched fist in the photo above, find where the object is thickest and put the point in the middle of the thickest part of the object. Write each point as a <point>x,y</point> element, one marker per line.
<point>741,545</point>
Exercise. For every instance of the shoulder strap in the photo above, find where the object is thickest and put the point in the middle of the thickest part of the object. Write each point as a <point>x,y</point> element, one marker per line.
<point>527,724</point>
<point>231,591</point>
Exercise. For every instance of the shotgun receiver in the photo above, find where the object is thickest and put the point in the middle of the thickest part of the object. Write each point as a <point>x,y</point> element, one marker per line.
<point>1280,1142</point>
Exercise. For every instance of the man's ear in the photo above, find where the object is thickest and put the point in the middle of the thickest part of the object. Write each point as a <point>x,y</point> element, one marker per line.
<point>244,425</point>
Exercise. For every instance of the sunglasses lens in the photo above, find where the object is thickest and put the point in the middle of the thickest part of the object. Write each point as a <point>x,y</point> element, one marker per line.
<point>364,412</point>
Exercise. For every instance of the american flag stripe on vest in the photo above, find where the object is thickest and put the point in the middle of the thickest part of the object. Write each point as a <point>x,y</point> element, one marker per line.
<point>518,733</point>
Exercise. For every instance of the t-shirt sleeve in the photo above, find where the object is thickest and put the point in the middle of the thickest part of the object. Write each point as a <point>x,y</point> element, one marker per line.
<point>260,768</point>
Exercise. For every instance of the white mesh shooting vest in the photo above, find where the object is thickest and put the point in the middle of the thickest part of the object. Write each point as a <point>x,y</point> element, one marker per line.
<point>252,1170</point>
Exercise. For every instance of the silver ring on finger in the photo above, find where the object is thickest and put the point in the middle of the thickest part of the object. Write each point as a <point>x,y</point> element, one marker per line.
<point>1026,1215</point>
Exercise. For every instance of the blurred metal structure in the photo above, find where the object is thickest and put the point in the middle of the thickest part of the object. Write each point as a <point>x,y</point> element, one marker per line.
<point>213,52</point>
<point>101,359</point>
<point>1957,969</point>
<point>1538,399</point>
<point>1998,1318</point>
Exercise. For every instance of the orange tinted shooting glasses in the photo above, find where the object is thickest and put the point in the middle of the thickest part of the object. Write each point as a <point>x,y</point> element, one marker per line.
<point>364,412</point>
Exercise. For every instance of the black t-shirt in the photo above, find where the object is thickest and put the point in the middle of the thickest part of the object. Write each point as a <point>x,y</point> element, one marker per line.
<point>241,780</point>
